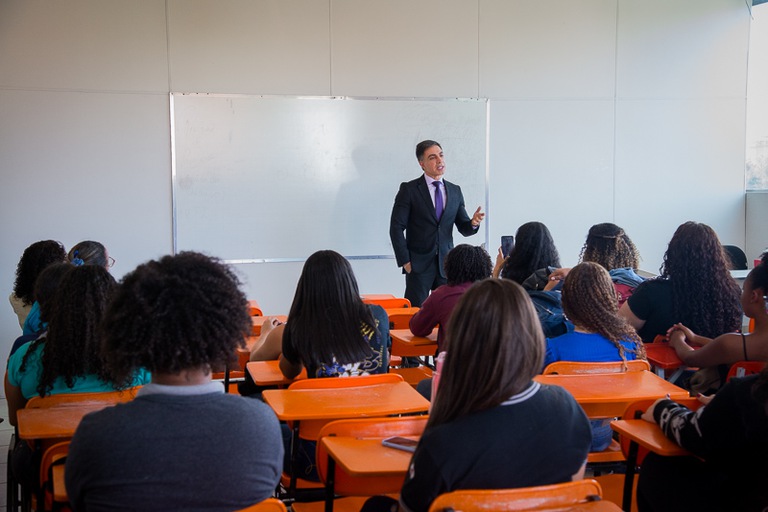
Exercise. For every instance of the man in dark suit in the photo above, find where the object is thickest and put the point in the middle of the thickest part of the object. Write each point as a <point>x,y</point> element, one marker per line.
<point>421,227</point>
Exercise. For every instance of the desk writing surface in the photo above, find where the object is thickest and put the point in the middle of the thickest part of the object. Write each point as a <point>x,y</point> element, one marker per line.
<point>662,355</point>
<point>367,456</point>
<point>406,344</point>
<point>267,373</point>
<point>358,401</point>
<point>53,422</point>
<point>608,394</point>
<point>648,435</point>
<point>406,336</point>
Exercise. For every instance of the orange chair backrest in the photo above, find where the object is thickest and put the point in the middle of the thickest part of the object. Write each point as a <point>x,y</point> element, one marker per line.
<point>346,382</point>
<point>742,368</point>
<point>310,429</point>
<point>660,338</point>
<point>345,484</point>
<point>268,505</point>
<point>401,320</point>
<point>635,409</point>
<point>55,454</point>
<point>105,397</point>
<point>578,367</point>
<point>388,302</point>
<point>254,309</point>
<point>545,497</point>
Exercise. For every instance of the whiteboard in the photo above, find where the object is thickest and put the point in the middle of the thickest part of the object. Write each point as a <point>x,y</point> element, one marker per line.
<point>274,179</point>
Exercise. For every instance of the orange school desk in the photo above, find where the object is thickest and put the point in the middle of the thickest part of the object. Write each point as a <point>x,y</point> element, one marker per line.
<point>54,422</point>
<point>649,436</point>
<point>663,357</point>
<point>267,373</point>
<point>406,344</point>
<point>258,321</point>
<point>340,403</point>
<point>607,395</point>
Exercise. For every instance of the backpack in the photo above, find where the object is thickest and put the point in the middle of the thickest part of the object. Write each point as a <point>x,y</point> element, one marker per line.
<point>549,308</point>
<point>623,292</point>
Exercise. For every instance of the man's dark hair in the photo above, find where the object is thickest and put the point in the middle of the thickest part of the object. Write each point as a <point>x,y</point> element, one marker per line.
<point>424,145</point>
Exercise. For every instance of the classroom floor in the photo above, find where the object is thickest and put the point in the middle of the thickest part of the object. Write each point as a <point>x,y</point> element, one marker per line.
<point>5,437</point>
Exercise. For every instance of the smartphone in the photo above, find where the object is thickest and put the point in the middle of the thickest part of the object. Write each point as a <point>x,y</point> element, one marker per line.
<point>507,243</point>
<point>400,443</point>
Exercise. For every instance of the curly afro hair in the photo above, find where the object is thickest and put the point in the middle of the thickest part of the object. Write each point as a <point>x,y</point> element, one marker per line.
<point>608,245</point>
<point>534,249</point>
<point>704,295</point>
<point>180,312</point>
<point>589,301</point>
<point>466,264</point>
<point>35,259</point>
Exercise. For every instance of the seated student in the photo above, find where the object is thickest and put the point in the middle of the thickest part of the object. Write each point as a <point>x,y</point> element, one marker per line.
<point>68,358</point>
<point>534,250</point>
<point>727,349</point>
<point>33,261</point>
<point>728,441</point>
<point>45,289</point>
<point>182,443</point>
<point>464,265</point>
<point>330,331</point>
<point>84,253</point>
<point>491,426</point>
<point>694,288</point>
<point>608,245</point>
<point>600,334</point>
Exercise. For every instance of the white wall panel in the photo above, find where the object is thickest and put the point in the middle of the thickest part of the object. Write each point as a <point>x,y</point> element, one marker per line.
<point>79,166</point>
<point>108,45</point>
<point>244,46</point>
<point>404,48</point>
<point>678,161</point>
<point>551,161</point>
<point>556,49</point>
<point>682,48</point>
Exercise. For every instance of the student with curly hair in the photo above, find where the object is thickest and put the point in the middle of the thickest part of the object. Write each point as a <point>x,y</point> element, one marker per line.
<point>464,265</point>
<point>600,335</point>
<point>182,443</point>
<point>45,290</point>
<point>33,261</point>
<point>476,422</point>
<point>534,250</point>
<point>68,358</point>
<point>729,348</point>
<point>610,246</point>
<point>694,288</point>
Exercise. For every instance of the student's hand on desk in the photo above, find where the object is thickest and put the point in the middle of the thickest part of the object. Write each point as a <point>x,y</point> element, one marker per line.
<point>705,399</point>
<point>478,217</point>
<point>678,340</point>
<point>648,414</point>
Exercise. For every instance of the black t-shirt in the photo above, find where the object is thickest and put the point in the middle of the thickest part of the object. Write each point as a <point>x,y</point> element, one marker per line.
<point>652,302</point>
<point>538,437</point>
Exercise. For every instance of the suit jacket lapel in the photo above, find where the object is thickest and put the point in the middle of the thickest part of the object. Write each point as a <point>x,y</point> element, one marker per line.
<point>425,195</point>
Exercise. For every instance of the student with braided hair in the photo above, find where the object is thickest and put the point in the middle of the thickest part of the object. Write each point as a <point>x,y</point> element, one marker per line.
<point>600,335</point>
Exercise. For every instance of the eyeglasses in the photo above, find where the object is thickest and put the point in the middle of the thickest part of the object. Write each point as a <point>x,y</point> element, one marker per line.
<point>110,262</point>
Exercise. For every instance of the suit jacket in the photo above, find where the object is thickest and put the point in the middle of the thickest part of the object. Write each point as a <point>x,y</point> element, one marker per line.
<point>416,234</point>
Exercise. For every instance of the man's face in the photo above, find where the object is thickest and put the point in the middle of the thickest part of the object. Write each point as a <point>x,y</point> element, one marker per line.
<point>432,162</point>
